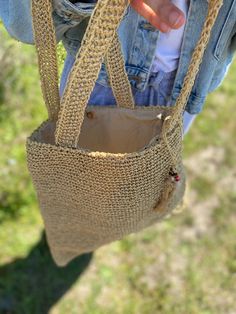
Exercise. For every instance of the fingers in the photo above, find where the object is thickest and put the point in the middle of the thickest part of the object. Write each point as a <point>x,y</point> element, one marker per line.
<point>162,14</point>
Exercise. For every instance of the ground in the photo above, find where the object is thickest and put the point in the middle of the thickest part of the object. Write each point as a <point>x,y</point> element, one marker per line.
<point>186,264</point>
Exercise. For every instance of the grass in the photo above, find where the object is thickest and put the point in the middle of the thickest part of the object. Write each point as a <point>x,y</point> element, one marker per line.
<point>185,265</point>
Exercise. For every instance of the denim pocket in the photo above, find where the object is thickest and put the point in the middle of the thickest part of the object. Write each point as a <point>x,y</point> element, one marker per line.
<point>227,29</point>
<point>72,12</point>
<point>76,34</point>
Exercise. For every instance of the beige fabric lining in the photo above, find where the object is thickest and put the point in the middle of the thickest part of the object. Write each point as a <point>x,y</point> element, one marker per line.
<point>105,129</point>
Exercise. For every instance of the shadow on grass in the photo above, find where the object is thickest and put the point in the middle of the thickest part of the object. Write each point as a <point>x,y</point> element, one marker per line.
<point>34,284</point>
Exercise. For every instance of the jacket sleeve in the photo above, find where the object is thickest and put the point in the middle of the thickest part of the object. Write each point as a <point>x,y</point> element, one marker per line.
<point>17,19</point>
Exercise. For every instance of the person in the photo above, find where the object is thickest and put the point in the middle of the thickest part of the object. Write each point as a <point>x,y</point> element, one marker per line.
<point>157,39</point>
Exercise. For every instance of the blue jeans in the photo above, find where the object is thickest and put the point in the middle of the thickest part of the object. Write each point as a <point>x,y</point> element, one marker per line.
<point>158,91</point>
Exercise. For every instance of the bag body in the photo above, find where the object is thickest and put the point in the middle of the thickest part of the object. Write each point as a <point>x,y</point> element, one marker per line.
<point>102,172</point>
<point>90,198</point>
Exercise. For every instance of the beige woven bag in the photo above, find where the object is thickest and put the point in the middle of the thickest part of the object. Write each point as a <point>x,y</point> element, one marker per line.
<point>103,172</point>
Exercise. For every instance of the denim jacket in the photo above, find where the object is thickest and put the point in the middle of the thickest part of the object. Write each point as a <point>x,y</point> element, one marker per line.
<point>138,40</point>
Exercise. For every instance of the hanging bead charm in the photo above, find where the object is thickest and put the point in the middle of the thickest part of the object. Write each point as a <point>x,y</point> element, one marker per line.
<point>175,175</point>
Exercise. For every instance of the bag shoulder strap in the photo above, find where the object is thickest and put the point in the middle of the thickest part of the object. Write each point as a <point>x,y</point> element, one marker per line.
<point>196,60</point>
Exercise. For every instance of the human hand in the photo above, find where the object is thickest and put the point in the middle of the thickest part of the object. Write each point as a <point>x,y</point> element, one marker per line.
<point>162,14</point>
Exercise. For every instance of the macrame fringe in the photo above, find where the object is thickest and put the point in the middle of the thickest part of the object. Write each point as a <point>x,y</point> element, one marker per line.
<point>170,186</point>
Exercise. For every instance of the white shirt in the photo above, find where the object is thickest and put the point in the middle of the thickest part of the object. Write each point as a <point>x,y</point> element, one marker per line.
<point>169,44</point>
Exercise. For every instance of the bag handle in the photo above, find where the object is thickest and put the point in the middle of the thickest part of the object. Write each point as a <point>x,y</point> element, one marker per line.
<point>44,32</point>
<point>46,49</point>
<point>70,119</point>
<point>98,37</point>
<point>45,41</point>
<point>118,76</point>
<point>196,60</point>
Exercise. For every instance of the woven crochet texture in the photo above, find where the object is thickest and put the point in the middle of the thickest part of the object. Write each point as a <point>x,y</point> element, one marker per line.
<point>90,198</point>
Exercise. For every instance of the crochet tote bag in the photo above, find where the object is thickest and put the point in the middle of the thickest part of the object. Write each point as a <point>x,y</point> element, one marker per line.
<point>103,172</point>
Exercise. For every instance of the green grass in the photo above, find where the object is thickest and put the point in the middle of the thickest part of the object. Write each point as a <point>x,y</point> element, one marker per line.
<point>185,265</point>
